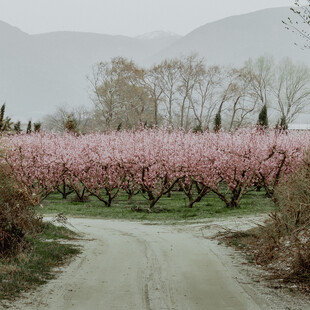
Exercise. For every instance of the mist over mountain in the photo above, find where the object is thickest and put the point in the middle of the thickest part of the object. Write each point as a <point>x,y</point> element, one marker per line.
<point>159,35</point>
<point>40,72</point>
<point>232,40</point>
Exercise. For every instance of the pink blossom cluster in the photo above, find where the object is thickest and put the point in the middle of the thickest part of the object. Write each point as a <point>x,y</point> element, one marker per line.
<point>155,161</point>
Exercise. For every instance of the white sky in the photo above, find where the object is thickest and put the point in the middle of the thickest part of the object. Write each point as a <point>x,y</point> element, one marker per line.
<point>125,17</point>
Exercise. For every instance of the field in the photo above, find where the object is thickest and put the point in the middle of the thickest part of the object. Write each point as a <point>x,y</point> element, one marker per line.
<point>152,176</point>
<point>172,208</point>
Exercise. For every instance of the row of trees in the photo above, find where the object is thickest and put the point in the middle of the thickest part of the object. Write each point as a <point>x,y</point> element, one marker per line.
<point>6,124</point>
<point>154,162</point>
<point>185,93</point>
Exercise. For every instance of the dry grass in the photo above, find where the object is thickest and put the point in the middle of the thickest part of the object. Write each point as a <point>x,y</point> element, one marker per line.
<point>282,245</point>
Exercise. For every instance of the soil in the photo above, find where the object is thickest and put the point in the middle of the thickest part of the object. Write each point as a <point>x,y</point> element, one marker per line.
<point>138,265</point>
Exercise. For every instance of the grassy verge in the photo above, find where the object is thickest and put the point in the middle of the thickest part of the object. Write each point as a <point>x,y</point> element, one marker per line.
<point>168,209</point>
<point>34,266</point>
<point>244,241</point>
<point>276,261</point>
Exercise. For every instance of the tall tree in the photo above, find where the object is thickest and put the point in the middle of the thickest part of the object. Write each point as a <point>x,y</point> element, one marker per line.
<point>169,77</point>
<point>292,89</point>
<point>154,86</point>
<point>5,122</point>
<point>262,79</point>
<point>191,69</point>
<point>29,127</point>
<point>226,92</point>
<point>119,95</point>
<point>217,122</point>
<point>203,99</point>
<point>241,102</point>
<point>2,111</point>
<point>262,72</point>
<point>263,117</point>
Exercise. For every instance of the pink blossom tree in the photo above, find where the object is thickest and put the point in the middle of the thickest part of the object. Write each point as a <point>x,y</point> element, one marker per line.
<point>34,162</point>
<point>154,162</point>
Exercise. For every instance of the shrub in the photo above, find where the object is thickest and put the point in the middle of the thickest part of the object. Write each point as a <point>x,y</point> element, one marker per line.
<point>17,219</point>
<point>285,242</point>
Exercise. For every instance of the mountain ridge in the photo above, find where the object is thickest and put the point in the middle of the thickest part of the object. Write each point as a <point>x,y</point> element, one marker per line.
<point>272,34</point>
<point>41,71</point>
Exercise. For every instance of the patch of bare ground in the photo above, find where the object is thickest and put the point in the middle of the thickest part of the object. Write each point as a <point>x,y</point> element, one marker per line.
<point>130,265</point>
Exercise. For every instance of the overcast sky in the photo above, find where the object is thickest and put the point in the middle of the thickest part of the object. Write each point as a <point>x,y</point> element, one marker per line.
<point>125,17</point>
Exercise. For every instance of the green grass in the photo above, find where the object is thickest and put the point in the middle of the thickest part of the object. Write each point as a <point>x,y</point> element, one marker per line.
<point>167,209</point>
<point>34,266</point>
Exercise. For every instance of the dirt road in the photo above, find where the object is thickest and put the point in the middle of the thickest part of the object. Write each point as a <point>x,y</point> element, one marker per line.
<point>136,266</point>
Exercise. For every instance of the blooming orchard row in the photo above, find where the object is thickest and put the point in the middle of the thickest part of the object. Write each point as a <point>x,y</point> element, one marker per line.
<point>153,162</point>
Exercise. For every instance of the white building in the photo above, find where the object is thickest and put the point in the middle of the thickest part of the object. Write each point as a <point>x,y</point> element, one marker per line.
<point>298,126</point>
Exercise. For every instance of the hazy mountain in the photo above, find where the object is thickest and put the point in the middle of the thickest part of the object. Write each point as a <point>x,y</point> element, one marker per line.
<point>233,40</point>
<point>159,35</point>
<point>39,72</point>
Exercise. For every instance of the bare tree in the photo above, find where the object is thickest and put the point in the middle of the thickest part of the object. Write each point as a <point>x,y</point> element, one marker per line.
<point>242,101</point>
<point>203,98</point>
<point>292,89</point>
<point>104,93</point>
<point>152,81</point>
<point>169,73</point>
<point>191,69</point>
<point>57,121</point>
<point>262,79</point>
<point>226,92</point>
<point>184,93</point>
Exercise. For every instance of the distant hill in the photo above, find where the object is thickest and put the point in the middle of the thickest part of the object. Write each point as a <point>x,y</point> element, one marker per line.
<point>234,39</point>
<point>39,72</point>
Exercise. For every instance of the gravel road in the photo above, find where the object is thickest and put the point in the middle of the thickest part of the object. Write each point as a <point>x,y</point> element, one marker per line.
<point>139,266</point>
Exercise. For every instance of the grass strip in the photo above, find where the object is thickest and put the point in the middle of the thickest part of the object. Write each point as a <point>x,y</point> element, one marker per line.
<point>172,208</point>
<point>34,266</point>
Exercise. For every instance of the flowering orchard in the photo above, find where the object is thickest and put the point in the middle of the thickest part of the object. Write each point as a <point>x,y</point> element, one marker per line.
<point>155,162</point>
